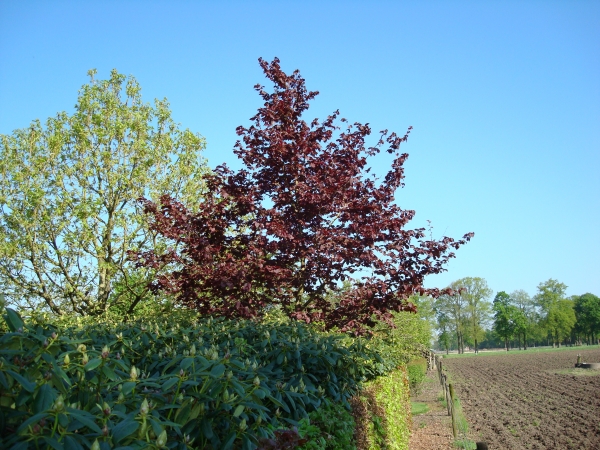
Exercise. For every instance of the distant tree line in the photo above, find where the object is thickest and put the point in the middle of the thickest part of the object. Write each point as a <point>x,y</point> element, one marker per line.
<point>468,317</point>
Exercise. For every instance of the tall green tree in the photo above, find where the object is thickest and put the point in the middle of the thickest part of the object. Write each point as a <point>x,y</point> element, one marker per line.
<point>444,335</point>
<point>560,320</point>
<point>476,292</point>
<point>451,312</point>
<point>68,191</point>
<point>587,312</point>
<point>526,323</point>
<point>558,314</point>
<point>550,292</point>
<point>504,313</point>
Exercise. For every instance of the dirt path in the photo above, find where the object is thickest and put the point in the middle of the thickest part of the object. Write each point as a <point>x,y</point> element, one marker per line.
<point>432,430</point>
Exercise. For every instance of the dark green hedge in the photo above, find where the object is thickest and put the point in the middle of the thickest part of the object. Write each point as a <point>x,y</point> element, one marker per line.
<point>173,382</point>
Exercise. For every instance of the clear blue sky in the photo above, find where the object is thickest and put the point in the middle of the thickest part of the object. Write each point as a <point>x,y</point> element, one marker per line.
<point>504,98</point>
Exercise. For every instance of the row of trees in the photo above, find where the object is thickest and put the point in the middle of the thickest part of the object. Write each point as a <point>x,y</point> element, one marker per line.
<point>470,318</point>
<point>101,209</point>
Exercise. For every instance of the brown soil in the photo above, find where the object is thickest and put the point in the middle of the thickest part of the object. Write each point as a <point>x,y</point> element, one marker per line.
<point>432,430</point>
<point>530,400</point>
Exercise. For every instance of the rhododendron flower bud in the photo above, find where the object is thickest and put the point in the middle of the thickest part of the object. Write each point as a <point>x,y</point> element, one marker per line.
<point>161,440</point>
<point>144,408</point>
<point>59,403</point>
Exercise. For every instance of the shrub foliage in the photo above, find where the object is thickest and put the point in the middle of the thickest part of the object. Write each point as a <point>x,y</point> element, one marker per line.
<point>177,381</point>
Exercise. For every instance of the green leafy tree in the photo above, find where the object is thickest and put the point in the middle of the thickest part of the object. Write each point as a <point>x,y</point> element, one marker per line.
<point>508,322</point>
<point>445,335</point>
<point>560,320</point>
<point>504,312</point>
<point>527,324</point>
<point>550,292</point>
<point>450,309</point>
<point>587,311</point>
<point>425,308</point>
<point>408,339</point>
<point>476,292</point>
<point>68,191</point>
<point>558,314</point>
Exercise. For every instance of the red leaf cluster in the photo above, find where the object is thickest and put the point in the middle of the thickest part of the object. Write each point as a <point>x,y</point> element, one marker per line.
<point>283,440</point>
<point>298,220</point>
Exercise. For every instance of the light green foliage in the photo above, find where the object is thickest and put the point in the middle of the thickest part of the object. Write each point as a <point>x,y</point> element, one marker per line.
<point>451,312</point>
<point>549,293</point>
<point>411,336</point>
<point>558,312</point>
<point>68,190</point>
<point>478,311</point>
<point>444,326</point>
<point>465,312</point>
<point>560,319</point>
<point>387,405</point>
<point>417,370</point>
<point>417,408</point>
<point>527,325</point>
<point>425,309</point>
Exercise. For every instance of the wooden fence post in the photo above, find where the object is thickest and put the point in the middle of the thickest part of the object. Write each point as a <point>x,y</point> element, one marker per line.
<point>447,395</point>
<point>454,427</point>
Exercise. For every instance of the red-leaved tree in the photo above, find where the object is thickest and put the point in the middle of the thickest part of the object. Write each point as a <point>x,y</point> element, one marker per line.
<point>298,220</point>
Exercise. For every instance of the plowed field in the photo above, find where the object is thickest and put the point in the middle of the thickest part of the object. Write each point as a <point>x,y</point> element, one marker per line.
<point>530,400</point>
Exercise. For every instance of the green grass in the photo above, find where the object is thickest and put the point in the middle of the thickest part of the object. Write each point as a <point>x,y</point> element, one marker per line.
<point>463,428</point>
<point>417,408</point>
<point>521,352</point>
<point>465,443</point>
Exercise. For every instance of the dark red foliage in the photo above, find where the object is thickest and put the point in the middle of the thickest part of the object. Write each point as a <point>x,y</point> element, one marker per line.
<point>302,217</point>
<point>283,440</point>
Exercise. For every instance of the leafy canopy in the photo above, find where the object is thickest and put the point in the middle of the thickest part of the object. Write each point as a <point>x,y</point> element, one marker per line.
<point>301,217</point>
<point>68,190</point>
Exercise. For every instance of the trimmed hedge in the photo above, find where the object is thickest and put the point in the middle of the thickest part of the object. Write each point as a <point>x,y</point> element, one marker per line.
<point>382,413</point>
<point>417,371</point>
